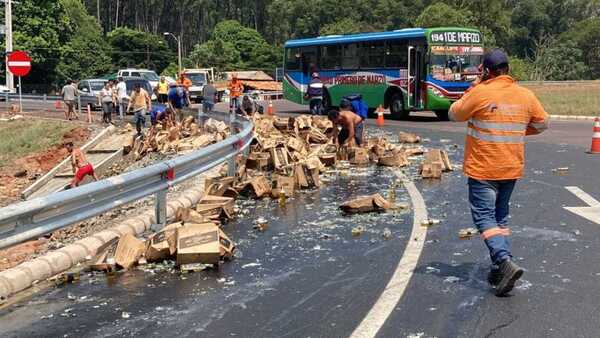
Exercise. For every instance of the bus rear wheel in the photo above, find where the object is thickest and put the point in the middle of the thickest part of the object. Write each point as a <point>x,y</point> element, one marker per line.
<point>442,115</point>
<point>397,107</point>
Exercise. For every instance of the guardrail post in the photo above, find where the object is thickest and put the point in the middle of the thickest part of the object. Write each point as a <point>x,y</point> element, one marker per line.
<point>45,99</point>
<point>231,162</point>
<point>79,104</point>
<point>6,98</point>
<point>160,207</point>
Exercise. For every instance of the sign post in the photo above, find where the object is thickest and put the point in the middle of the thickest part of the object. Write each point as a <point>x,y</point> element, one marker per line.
<point>19,64</point>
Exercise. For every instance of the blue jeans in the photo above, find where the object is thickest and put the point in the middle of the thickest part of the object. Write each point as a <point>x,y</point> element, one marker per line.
<point>489,209</point>
<point>140,120</point>
<point>316,106</point>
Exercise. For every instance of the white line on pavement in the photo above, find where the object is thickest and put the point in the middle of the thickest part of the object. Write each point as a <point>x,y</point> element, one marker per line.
<point>584,196</point>
<point>591,213</point>
<point>395,288</point>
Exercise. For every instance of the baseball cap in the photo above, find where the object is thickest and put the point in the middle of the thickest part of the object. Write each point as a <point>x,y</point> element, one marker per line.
<point>494,59</point>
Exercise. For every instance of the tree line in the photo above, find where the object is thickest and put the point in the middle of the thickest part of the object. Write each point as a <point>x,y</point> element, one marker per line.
<point>546,39</point>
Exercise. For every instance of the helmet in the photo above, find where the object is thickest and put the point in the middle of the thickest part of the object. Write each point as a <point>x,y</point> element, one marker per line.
<point>315,74</point>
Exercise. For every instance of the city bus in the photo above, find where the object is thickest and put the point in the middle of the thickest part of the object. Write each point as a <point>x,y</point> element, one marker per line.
<point>405,70</point>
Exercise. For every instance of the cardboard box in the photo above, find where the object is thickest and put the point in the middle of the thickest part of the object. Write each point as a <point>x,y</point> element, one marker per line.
<point>431,170</point>
<point>306,178</point>
<point>358,156</point>
<point>129,250</point>
<point>202,243</point>
<point>294,143</point>
<point>328,159</point>
<point>287,183</point>
<point>162,244</point>
<point>258,161</point>
<point>438,156</point>
<point>279,157</point>
<point>257,187</point>
<point>365,204</point>
<point>393,160</point>
<point>217,186</point>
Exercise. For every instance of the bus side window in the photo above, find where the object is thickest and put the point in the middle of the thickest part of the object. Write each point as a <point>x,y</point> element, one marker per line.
<point>330,57</point>
<point>292,59</point>
<point>309,59</point>
<point>350,56</point>
<point>396,54</point>
<point>372,54</point>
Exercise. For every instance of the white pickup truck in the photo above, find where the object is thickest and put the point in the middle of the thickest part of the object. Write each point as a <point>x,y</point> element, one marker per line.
<point>199,77</point>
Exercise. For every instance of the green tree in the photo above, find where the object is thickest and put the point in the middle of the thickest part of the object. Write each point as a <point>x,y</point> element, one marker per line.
<point>85,55</point>
<point>216,53</point>
<point>443,15</point>
<point>134,48</point>
<point>345,26</point>
<point>520,69</point>
<point>586,36</point>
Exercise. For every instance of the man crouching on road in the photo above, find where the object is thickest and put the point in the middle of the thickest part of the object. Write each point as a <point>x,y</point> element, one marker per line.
<point>500,114</point>
<point>81,167</point>
<point>352,125</point>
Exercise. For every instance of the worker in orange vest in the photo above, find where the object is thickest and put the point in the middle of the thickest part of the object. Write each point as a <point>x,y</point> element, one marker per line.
<point>236,88</point>
<point>500,114</point>
<point>184,81</point>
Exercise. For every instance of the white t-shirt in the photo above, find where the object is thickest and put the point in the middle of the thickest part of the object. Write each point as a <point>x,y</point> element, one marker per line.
<point>121,90</point>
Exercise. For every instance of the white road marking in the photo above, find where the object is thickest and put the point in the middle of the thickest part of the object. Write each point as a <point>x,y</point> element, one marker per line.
<point>395,288</point>
<point>591,213</point>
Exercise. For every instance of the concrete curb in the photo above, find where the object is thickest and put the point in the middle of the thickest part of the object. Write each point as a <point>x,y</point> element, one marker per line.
<point>572,117</point>
<point>26,274</point>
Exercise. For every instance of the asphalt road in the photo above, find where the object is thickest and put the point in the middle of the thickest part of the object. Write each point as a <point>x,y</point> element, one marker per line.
<point>307,276</point>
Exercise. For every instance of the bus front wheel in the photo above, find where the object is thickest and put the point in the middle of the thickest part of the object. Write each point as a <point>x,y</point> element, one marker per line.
<point>442,115</point>
<point>397,107</point>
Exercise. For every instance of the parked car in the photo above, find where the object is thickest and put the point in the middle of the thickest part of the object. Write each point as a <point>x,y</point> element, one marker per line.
<point>3,91</point>
<point>130,82</point>
<point>89,91</point>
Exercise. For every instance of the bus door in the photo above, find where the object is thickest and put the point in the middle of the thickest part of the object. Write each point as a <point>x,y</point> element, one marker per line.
<point>415,76</point>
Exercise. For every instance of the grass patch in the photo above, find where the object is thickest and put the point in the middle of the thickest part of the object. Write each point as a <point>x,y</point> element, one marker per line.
<point>22,137</point>
<point>569,99</point>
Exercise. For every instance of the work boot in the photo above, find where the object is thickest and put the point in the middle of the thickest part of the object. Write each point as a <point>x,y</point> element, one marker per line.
<point>494,276</point>
<point>510,273</point>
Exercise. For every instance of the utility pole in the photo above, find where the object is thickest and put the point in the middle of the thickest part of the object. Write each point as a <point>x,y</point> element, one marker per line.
<point>9,43</point>
<point>98,12</point>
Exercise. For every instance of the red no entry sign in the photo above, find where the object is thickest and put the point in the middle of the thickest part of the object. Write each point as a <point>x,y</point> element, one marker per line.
<point>19,63</point>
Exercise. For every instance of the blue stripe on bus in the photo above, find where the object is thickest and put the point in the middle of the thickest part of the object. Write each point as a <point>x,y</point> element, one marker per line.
<point>449,85</point>
<point>332,39</point>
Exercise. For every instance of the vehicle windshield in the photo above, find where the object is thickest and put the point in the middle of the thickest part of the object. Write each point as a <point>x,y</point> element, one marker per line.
<point>455,63</point>
<point>131,84</point>
<point>197,78</point>
<point>97,85</point>
<point>150,76</point>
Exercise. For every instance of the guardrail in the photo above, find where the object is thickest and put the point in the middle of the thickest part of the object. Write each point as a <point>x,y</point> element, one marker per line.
<point>30,219</point>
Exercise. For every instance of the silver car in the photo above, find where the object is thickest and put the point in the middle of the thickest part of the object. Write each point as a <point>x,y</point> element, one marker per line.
<point>89,91</point>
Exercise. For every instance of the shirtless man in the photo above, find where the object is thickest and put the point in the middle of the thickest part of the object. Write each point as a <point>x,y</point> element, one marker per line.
<point>81,167</point>
<point>352,125</point>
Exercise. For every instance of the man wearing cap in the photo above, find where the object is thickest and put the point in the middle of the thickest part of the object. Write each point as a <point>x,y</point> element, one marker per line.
<point>500,114</point>
<point>315,94</point>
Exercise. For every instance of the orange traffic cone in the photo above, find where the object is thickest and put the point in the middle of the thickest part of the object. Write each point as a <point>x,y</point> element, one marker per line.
<point>270,108</point>
<point>57,104</point>
<point>596,137</point>
<point>380,120</point>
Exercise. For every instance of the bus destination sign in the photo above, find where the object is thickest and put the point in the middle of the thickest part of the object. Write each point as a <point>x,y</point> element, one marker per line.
<point>454,37</point>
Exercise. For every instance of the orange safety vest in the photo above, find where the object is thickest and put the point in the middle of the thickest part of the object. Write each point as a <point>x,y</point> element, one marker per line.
<point>500,114</point>
<point>235,88</point>
<point>185,82</point>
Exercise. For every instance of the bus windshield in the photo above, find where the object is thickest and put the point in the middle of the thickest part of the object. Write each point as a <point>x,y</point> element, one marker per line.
<point>455,63</point>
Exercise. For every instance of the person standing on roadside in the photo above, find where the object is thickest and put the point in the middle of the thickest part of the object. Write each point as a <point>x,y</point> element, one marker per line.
<point>209,97</point>
<point>315,94</point>
<point>185,83</point>
<point>106,99</point>
<point>500,114</point>
<point>162,90</point>
<point>236,88</point>
<point>69,94</point>
<point>122,97</point>
<point>141,103</point>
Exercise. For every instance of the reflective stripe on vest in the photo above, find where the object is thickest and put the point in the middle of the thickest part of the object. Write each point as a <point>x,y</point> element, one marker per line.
<point>503,126</point>
<point>495,138</point>
<point>495,231</point>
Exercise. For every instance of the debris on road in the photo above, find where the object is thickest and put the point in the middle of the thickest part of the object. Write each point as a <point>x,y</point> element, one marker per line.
<point>365,204</point>
<point>357,231</point>
<point>561,170</point>
<point>261,224</point>
<point>467,233</point>
<point>429,222</point>
<point>436,161</point>
<point>202,243</point>
<point>404,137</point>
<point>387,233</point>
